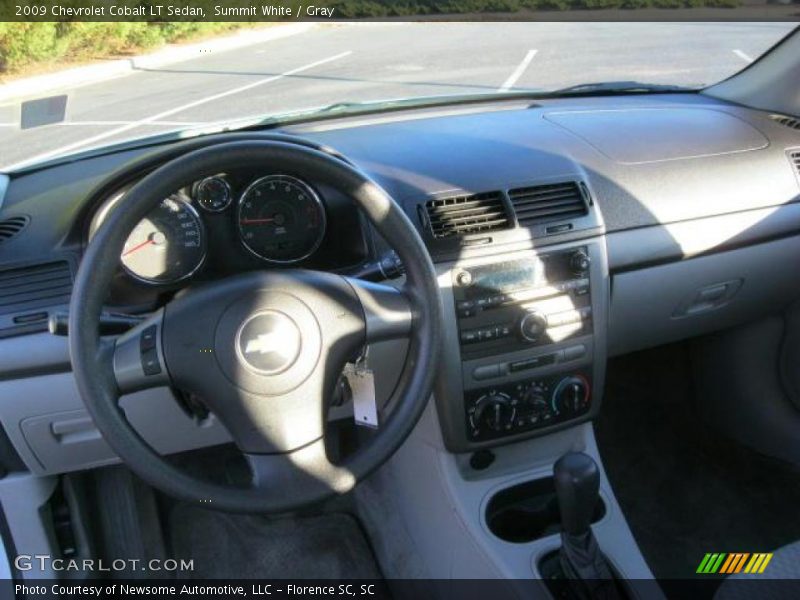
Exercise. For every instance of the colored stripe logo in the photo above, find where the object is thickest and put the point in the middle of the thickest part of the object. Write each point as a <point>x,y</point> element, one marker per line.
<point>734,562</point>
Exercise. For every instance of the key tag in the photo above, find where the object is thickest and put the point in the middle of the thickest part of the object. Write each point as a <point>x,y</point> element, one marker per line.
<point>362,385</point>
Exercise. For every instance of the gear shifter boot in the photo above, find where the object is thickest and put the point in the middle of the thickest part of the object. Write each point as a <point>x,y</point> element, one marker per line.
<point>586,568</point>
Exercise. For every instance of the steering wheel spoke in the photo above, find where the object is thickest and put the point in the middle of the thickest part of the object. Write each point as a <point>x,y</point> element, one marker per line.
<point>138,356</point>
<point>308,466</point>
<point>387,310</point>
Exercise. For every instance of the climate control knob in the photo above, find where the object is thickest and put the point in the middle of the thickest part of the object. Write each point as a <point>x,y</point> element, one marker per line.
<point>571,395</point>
<point>532,326</point>
<point>493,411</point>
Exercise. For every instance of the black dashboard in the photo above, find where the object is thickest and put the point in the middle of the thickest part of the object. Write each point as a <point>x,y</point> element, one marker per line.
<point>661,217</point>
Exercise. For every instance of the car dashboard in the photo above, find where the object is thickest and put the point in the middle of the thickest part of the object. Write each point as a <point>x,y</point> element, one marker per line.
<point>563,232</point>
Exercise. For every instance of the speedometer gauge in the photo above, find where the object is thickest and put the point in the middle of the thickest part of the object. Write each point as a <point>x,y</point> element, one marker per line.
<point>167,245</point>
<point>281,219</point>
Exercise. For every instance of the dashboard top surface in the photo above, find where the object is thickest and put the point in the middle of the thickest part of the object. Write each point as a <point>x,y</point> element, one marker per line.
<point>733,159</point>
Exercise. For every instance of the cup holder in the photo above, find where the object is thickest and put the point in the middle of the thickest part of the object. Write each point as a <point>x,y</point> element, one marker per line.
<point>529,511</point>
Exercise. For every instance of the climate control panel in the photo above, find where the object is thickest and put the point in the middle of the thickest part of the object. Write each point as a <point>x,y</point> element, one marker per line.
<point>526,405</point>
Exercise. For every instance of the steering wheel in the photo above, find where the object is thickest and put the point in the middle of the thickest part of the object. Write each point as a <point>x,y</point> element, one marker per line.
<point>265,348</point>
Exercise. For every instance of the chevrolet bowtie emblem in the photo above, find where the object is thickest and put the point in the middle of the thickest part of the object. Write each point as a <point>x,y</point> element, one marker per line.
<point>269,342</point>
<point>264,343</point>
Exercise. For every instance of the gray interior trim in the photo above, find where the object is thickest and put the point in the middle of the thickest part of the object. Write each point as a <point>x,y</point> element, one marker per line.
<point>53,433</point>
<point>35,354</point>
<point>635,248</point>
<point>22,498</point>
<point>679,300</point>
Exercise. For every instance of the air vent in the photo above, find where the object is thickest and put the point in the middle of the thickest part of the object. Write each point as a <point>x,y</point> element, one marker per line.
<point>462,215</point>
<point>787,121</point>
<point>33,287</point>
<point>545,203</point>
<point>12,227</point>
<point>794,157</point>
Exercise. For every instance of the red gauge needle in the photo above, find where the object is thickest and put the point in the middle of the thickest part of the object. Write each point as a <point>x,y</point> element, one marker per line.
<point>254,221</point>
<point>138,247</point>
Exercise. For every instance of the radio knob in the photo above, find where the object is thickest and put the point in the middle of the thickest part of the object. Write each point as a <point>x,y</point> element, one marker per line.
<point>532,326</point>
<point>464,278</point>
<point>493,411</point>
<point>579,262</point>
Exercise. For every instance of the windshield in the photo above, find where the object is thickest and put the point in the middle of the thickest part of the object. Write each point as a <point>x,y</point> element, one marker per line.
<point>273,70</point>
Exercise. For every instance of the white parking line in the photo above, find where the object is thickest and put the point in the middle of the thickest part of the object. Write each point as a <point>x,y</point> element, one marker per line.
<point>743,56</point>
<point>512,79</point>
<point>177,109</point>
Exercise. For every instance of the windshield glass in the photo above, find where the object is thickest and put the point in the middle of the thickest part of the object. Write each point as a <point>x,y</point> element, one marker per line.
<point>272,70</point>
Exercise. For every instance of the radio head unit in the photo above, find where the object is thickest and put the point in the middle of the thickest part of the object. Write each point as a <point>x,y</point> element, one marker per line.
<point>511,305</point>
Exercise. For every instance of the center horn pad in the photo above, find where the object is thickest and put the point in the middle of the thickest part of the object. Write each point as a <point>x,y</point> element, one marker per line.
<point>268,343</point>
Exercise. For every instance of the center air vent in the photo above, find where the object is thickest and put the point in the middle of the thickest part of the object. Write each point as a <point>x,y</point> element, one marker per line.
<point>462,215</point>
<point>35,286</point>
<point>12,227</point>
<point>552,202</point>
<point>786,120</point>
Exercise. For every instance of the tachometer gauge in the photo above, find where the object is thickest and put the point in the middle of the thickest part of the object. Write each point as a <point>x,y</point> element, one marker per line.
<point>281,219</point>
<point>167,245</point>
<point>213,194</point>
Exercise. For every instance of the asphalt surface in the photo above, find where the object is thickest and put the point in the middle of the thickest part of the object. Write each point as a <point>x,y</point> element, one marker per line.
<point>374,61</point>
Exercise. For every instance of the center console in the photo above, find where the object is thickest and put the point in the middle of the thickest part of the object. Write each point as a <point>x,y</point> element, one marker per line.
<point>530,333</point>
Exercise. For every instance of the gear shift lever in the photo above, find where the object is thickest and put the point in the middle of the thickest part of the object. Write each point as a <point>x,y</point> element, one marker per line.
<point>577,487</point>
<point>577,481</point>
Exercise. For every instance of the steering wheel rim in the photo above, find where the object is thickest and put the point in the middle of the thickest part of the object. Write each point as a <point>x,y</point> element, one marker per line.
<point>293,475</point>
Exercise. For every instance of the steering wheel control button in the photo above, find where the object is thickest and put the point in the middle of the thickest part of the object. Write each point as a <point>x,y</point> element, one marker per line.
<point>269,342</point>
<point>147,341</point>
<point>150,363</point>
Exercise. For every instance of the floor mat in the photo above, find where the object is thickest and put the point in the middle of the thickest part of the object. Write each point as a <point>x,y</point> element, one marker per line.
<point>330,546</point>
<point>684,488</point>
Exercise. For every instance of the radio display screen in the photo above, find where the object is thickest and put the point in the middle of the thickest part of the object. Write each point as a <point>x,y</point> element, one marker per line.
<point>506,276</point>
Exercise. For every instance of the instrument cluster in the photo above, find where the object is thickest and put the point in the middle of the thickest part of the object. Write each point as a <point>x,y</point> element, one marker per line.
<point>231,222</point>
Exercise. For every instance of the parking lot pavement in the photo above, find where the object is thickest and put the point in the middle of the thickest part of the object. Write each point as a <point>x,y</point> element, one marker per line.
<point>361,62</point>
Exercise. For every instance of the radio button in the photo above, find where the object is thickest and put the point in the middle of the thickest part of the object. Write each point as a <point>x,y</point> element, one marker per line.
<point>469,336</point>
<point>486,372</point>
<point>574,352</point>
